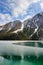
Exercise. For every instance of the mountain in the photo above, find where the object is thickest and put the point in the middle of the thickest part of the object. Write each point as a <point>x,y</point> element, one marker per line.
<point>37,20</point>
<point>12,26</point>
<point>0,28</point>
<point>29,24</point>
<point>30,29</point>
<point>35,23</point>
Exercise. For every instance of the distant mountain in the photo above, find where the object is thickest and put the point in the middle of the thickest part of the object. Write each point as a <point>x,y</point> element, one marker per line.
<point>37,20</point>
<point>30,29</point>
<point>12,26</point>
<point>0,28</point>
<point>35,23</point>
<point>29,24</point>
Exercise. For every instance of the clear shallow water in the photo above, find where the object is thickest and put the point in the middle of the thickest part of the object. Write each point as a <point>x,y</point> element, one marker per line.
<point>20,62</point>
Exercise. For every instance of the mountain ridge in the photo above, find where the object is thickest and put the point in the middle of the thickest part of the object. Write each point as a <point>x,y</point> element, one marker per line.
<point>31,28</point>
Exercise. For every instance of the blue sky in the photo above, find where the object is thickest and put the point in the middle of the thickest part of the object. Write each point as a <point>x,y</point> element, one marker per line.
<point>11,10</point>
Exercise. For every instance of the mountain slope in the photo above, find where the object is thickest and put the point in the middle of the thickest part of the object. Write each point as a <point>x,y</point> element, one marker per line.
<point>35,23</point>
<point>30,29</point>
<point>12,26</point>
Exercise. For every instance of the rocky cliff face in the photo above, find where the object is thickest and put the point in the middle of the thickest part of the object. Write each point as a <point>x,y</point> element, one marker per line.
<point>35,23</point>
<point>36,20</point>
<point>30,28</point>
<point>12,26</point>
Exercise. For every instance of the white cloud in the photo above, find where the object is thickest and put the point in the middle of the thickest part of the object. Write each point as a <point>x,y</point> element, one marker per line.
<point>22,7</point>
<point>41,4</point>
<point>36,0</point>
<point>27,17</point>
<point>19,7</point>
<point>5,18</point>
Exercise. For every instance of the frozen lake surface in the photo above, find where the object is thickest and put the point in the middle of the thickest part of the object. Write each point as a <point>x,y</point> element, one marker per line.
<point>21,48</point>
<point>21,53</point>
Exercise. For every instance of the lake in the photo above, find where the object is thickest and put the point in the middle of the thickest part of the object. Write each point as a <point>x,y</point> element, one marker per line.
<point>4,61</point>
<point>21,53</point>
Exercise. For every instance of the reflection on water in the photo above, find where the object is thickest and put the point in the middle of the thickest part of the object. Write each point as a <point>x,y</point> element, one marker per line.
<point>33,44</point>
<point>24,53</point>
<point>19,61</point>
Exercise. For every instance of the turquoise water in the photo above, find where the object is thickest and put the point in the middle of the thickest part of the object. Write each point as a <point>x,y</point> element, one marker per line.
<point>20,62</point>
<point>31,56</point>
